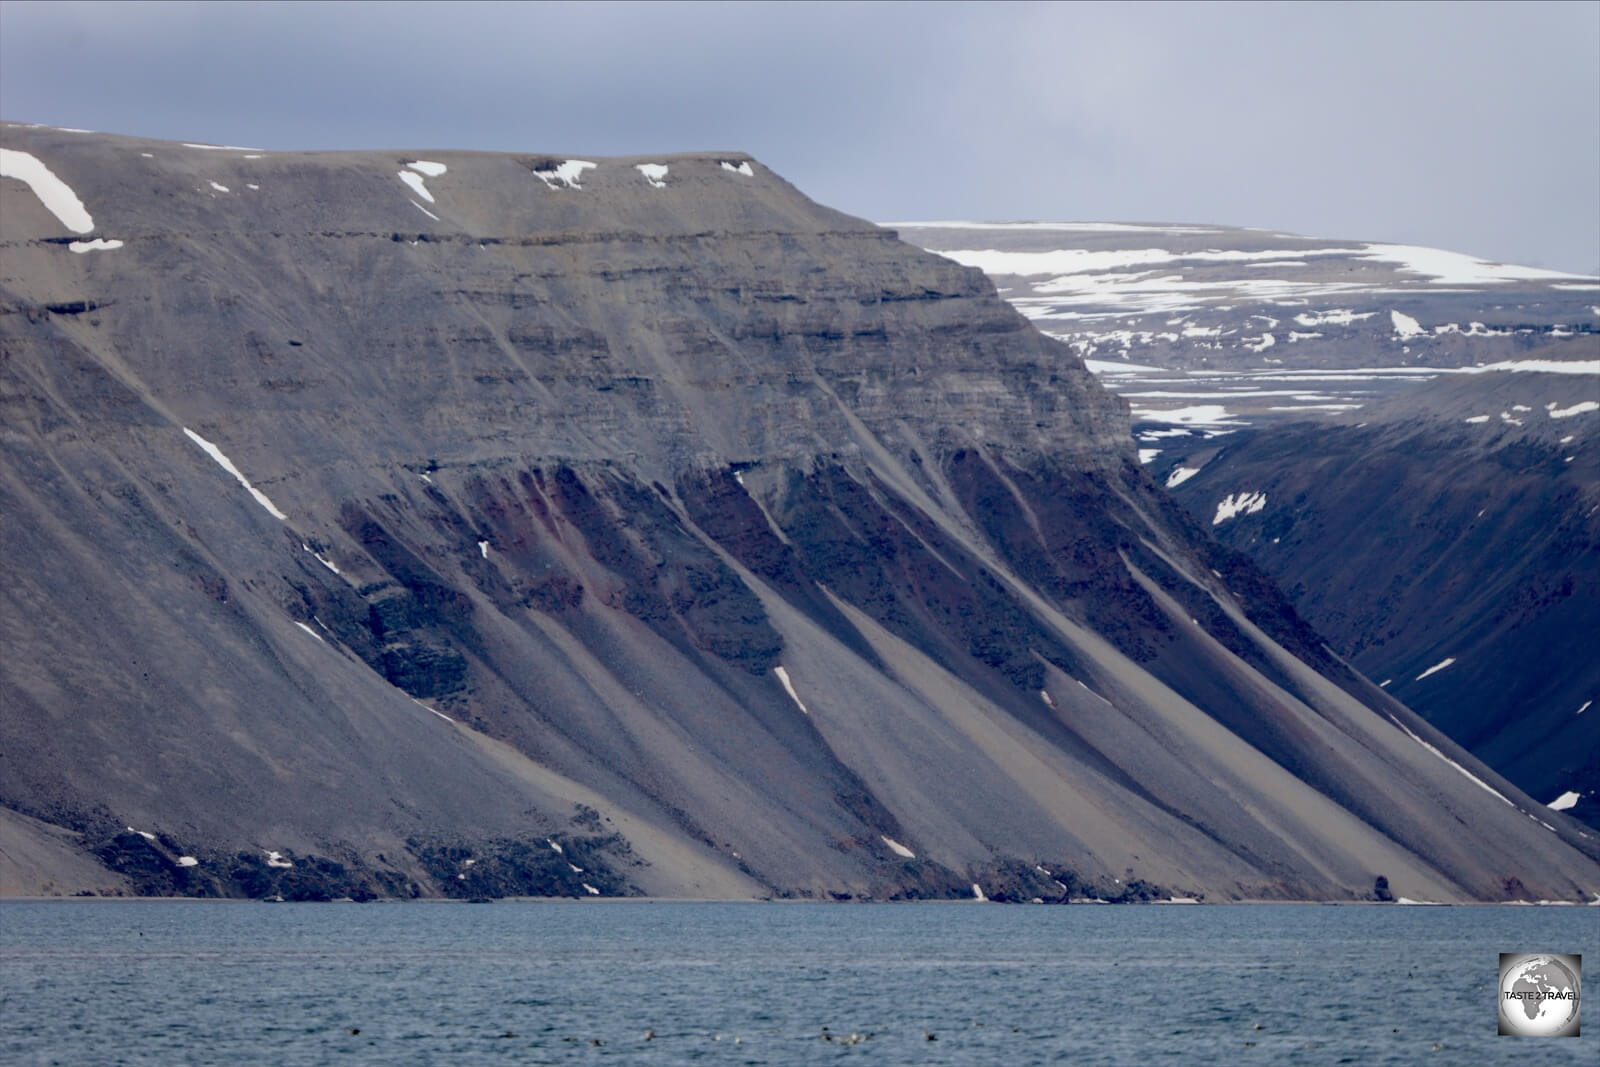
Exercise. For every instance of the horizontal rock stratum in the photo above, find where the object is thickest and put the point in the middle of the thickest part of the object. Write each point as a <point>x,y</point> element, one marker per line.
<point>443,523</point>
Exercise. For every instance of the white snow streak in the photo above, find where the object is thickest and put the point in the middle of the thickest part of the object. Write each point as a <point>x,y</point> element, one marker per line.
<point>309,630</point>
<point>1180,475</point>
<point>322,559</point>
<point>783,676</point>
<point>423,166</point>
<point>1538,366</point>
<point>591,890</point>
<point>219,187</point>
<point>977,892</point>
<point>221,147</point>
<point>654,173</point>
<point>1479,782</point>
<point>483,549</point>
<point>226,464</point>
<point>1577,409</point>
<point>1441,665</point>
<point>56,195</point>
<point>1477,418</point>
<point>416,183</point>
<point>99,244</point>
<point>742,168</point>
<point>897,848</point>
<point>425,211</point>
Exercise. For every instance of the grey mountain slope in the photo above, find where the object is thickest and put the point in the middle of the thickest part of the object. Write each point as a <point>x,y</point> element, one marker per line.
<point>580,468</point>
<point>1415,537</point>
<point>1424,493</point>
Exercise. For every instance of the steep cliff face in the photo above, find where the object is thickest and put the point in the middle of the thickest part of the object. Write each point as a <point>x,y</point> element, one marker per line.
<point>475,524</point>
<point>1448,541</point>
<point>1402,437</point>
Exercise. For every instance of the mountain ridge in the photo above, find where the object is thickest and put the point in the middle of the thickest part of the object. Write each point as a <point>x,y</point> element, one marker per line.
<point>559,510</point>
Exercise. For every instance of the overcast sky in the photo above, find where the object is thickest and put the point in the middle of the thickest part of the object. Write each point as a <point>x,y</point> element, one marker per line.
<point>1474,127</point>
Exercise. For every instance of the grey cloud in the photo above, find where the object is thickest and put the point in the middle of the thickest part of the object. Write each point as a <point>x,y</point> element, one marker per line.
<point>1471,127</point>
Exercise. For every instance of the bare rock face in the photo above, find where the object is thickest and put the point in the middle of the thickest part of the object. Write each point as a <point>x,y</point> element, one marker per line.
<point>1403,438</point>
<point>384,524</point>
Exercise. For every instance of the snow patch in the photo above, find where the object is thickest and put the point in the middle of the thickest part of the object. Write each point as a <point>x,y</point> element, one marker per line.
<point>1581,408</point>
<point>221,147</point>
<point>1563,802</point>
<point>1441,665</point>
<point>1266,342</point>
<point>416,183</point>
<point>219,187</point>
<point>567,173</point>
<point>897,848</point>
<point>1476,418</point>
<point>226,464</point>
<point>483,549</point>
<point>188,861</point>
<point>555,847</point>
<point>977,892</point>
<point>425,211</point>
<point>1404,325</point>
<point>783,676</point>
<point>1148,454</point>
<point>1585,707</point>
<point>146,834</point>
<point>1049,701</point>
<point>1456,268</point>
<point>322,559</point>
<point>1180,475</point>
<point>1336,317</point>
<point>309,630</point>
<point>1103,366</point>
<point>742,168</point>
<point>1539,366</point>
<point>275,859</point>
<point>654,173</point>
<point>56,195</point>
<point>99,244</point>
<point>1194,415</point>
<point>425,167</point>
<point>591,890</point>
<point>1240,504</point>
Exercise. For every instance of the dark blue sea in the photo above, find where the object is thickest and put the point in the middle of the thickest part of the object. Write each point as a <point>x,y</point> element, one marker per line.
<point>196,982</point>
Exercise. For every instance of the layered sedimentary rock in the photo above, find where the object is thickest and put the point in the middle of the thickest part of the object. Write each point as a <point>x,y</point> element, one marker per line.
<point>1404,438</point>
<point>451,523</point>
